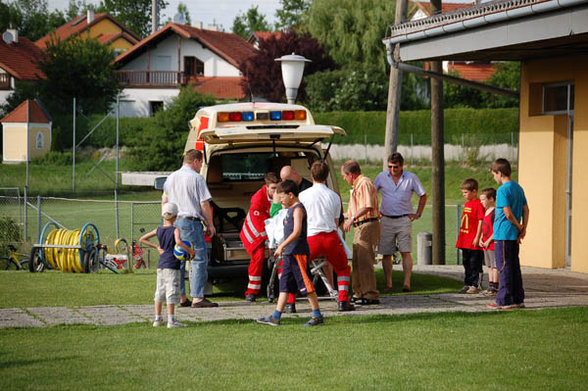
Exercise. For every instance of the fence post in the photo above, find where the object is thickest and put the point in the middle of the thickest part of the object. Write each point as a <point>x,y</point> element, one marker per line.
<point>26,215</point>
<point>38,219</point>
<point>458,225</point>
<point>365,144</point>
<point>411,149</point>
<point>463,149</point>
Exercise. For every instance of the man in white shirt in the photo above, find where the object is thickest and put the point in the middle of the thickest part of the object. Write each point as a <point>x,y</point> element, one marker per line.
<point>323,208</point>
<point>187,189</point>
<point>397,186</point>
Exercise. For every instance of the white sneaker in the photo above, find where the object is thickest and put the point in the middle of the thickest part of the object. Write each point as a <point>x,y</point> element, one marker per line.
<point>175,323</point>
<point>158,322</point>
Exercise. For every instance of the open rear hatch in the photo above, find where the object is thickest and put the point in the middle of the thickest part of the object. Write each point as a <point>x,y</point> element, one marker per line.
<point>256,133</point>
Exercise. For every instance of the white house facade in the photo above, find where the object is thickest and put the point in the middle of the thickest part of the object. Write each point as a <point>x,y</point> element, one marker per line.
<point>154,70</point>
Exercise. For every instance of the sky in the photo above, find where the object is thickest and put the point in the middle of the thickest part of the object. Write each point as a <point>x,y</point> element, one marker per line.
<point>221,12</point>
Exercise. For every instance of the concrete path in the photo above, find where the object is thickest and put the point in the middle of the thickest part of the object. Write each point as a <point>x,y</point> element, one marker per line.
<point>543,288</point>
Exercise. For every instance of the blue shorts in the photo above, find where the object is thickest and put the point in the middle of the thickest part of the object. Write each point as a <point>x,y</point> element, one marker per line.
<point>295,275</point>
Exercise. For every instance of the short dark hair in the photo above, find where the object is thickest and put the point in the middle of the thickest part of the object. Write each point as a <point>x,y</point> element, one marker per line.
<point>319,171</point>
<point>502,166</point>
<point>288,186</point>
<point>489,192</point>
<point>270,178</point>
<point>351,167</point>
<point>191,155</point>
<point>396,157</point>
<point>469,184</point>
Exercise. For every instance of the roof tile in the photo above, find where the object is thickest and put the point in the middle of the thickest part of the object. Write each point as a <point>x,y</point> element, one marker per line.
<point>19,114</point>
<point>19,59</point>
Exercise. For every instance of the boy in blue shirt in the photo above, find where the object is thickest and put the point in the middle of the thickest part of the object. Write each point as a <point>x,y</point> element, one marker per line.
<point>168,269</point>
<point>295,252</point>
<point>510,226</point>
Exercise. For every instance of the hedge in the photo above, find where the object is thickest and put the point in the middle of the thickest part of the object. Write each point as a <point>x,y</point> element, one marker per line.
<point>479,126</point>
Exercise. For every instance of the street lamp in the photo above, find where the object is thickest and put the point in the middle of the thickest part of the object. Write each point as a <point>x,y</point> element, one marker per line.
<point>292,70</point>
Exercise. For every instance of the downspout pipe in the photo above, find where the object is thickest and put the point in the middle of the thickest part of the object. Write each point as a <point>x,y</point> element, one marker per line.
<point>451,79</point>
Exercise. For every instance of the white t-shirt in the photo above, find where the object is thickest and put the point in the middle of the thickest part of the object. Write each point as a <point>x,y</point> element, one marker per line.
<point>323,206</point>
<point>187,189</point>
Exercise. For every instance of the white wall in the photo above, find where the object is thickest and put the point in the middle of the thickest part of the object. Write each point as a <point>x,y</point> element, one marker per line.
<point>134,102</point>
<point>214,65</point>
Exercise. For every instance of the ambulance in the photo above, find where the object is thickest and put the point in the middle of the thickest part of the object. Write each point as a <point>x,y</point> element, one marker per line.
<point>242,142</point>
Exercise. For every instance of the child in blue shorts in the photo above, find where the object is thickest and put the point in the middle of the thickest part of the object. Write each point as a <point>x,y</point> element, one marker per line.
<point>295,251</point>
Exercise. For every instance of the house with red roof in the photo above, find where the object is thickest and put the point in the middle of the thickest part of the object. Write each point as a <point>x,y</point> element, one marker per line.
<point>18,62</point>
<point>26,132</point>
<point>154,70</point>
<point>258,36</point>
<point>103,27</point>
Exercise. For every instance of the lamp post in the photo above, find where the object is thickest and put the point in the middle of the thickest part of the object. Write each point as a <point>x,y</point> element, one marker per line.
<point>292,70</point>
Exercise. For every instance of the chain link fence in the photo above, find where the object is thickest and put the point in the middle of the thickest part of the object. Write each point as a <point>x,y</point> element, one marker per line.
<point>11,219</point>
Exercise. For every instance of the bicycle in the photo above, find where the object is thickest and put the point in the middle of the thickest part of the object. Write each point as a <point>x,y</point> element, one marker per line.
<point>14,261</point>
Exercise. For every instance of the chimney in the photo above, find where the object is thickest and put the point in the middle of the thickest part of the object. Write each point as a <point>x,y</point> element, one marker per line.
<point>90,16</point>
<point>199,25</point>
<point>213,27</point>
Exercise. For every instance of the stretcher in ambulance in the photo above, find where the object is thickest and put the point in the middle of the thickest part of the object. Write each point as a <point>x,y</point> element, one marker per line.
<point>242,142</point>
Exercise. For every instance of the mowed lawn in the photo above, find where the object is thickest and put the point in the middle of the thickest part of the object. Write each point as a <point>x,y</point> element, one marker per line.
<point>21,289</point>
<point>523,350</point>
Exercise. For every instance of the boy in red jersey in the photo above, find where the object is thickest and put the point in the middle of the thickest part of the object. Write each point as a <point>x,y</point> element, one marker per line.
<point>470,229</point>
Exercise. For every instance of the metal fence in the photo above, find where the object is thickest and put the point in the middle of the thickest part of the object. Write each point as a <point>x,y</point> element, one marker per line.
<point>11,218</point>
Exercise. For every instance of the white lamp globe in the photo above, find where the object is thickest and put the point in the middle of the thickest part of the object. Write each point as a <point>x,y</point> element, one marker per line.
<point>292,70</point>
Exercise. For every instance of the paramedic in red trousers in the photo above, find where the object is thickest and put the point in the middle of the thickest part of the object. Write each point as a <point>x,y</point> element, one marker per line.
<point>253,233</point>
<point>323,208</point>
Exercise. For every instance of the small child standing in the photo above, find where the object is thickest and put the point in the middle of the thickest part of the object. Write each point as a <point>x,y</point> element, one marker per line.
<point>295,252</point>
<point>488,200</point>
<point>168,269</point>
<point>470,230</point>
<point>510,227</point>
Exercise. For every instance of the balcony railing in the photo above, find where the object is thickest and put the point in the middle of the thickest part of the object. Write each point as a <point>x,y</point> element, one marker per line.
<point>151,78</point>
<point>4,81</point>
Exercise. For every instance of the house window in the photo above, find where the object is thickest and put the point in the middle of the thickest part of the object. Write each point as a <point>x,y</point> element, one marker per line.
<point>558,98</point>
<point>162,63</point>
<point>193,66</point>
<point>155,106</point>
<point>40,142</point>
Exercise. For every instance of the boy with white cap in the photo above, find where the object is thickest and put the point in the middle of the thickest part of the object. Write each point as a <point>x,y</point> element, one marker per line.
<point>168,269</point>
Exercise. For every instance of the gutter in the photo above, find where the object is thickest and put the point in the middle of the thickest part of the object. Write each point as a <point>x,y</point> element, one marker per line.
<point>477,21</point>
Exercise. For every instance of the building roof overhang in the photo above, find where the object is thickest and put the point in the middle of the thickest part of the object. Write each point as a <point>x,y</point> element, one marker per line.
<point>509,30</point>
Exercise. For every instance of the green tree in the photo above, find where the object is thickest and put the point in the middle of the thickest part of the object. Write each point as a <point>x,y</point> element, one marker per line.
<point>292,14</point>
<point>183,9</point>
<point>31,18</point>
<point>245,24</point>
<point>77,8</point>
<point>161,146</point>
<point>352,30</point>
<point>134,14</point>
<point>80,67</point>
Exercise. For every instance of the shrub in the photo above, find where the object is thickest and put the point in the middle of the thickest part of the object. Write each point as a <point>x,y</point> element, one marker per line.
<point>55,158</point>
<point>10,233</point>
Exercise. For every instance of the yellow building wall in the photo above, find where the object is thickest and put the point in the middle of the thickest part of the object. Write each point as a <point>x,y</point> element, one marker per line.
<point>14,142</point>
<point>106,26</point>
<point>15,145</point>
<point>542,165</point>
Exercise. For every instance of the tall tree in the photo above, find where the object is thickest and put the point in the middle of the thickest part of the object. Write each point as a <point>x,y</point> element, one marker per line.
<point>292,14</point>
<point>263,75</point>
<point>78,7</point>
<point>79,67</point>
<point>31,18</point>
<point>183,9</point>
<point>134,14</point>
<point>352,30</point>
<point>245,24</point>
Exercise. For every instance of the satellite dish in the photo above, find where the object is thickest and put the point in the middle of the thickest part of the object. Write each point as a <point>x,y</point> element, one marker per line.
<point>7,37</point>
<point>179,19</point>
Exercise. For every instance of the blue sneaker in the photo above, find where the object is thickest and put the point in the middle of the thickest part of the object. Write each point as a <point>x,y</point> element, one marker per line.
<point>315,322</point>
<point>269,320</point>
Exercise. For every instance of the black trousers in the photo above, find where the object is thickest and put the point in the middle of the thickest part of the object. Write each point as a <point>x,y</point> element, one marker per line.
<point>472,263</point>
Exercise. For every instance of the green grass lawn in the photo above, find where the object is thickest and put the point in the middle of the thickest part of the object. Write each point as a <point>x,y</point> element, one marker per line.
<point>523,350</point>
<point>55,289</point>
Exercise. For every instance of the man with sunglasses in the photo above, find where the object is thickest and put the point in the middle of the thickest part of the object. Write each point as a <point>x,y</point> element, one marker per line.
<point>396,187</point>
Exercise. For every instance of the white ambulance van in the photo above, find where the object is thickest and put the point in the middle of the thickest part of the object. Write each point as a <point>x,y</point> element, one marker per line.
<point>241,143</point>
